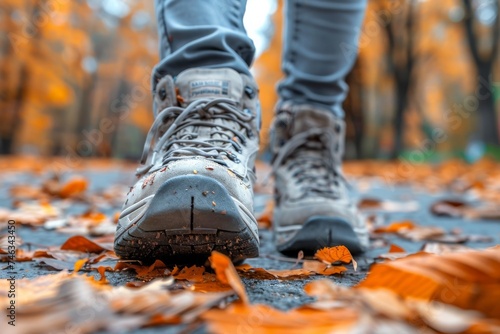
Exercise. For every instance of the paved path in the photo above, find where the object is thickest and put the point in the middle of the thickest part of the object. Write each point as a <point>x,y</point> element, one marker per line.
<point>282,294</point>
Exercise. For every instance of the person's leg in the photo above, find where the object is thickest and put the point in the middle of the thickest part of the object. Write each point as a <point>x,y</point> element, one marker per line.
<point>195,189</point>
<point>320,43</point>
<point>313,208</point>
<point>202,33</point>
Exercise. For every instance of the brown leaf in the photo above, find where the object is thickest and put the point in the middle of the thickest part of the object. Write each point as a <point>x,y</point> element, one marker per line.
<point>373,204</point>
<point>82,244</point>
<point>419,233</point>
<point>102,272</point>
<point>226,273</point>
<point>491,211</point>
<point>261,273</point>
<point>369,203</point>
<point>155,270</point>
<point>193,274</point>
<point>449,208</point>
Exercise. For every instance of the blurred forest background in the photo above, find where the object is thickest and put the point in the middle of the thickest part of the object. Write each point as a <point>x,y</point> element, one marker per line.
<point>74,77</point>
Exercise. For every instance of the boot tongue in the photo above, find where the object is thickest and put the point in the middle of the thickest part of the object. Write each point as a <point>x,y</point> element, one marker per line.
<point>199,83</point>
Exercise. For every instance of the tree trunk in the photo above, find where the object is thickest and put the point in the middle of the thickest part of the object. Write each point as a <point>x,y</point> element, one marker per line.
<point>488,122</point>
<point>487,125</point>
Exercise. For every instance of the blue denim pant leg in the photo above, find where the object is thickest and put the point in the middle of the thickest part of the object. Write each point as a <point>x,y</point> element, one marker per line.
<point>320,44</point>
<point>202,33</point>
<point>320,40</point>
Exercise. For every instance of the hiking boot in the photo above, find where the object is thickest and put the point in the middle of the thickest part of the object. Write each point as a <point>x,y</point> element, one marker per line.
<point>312,204</point>
<point>194,193</point>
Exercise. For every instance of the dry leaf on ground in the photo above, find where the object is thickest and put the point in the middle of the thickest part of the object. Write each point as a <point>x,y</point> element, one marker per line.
<point>380,310</point>
<point>396,249</point>
<point>470,280</point>
<point>322,268</point>
<point>241,318</point>
<point>396,227</point>
<point>373,204</point>
<point>450,208</point>
<point>82,244</point>
<point>73,187</point>
<point>58,302</point>
<point>226,273</point>
<point>331,255</point>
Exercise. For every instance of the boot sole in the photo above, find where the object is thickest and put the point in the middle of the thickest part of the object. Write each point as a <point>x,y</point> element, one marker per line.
<point>321,231</point>
<point>187,219</point>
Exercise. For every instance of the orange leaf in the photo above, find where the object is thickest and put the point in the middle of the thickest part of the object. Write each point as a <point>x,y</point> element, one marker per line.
<point>322,269</point>
<point>193,274</point>
<point>334,254</point>
<point>74,186</point>
<point>396,249</point>
<point>289,273</point>
<point>82,244</point>
<point>243,318</point>
<point>94,216</point>
<point>467,279</point>
<point>226,273</point>
<point>396,227</point>
<point>102,272</point>
<point>79,264</point>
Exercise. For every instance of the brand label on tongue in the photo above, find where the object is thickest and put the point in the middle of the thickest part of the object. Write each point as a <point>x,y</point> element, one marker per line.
<point>207,88</point>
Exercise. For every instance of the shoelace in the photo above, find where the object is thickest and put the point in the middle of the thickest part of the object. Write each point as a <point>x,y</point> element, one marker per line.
<point>304,150</point>
<point>180,143</point>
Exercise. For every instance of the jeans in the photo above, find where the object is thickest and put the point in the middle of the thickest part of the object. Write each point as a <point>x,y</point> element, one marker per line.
<point>319,46</point>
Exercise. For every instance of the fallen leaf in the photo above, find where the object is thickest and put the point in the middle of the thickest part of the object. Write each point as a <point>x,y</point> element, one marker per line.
<point>265,219</point>
<point>82,244</point>
<point>322,268</point>
<point>469,279</point>
<point>57,302</point>
<point>241,318</point>
<point>289,273</point>
<point>6,241</point>
<point>102,272</point>
<point>393,256</point>
<point>419,233</point>
<point>373,205</point>
<point>439,248</point>
<point>79,265</point>
<point>491,211</point>
<point>193,274</point>
<point>226,273</point>
<point>449,208</point>
<point>396,249</point>
<point>396,227</point>
<point>381,310</point>
<point>74,186</point>
<point>369,204</point>
<point>26,192</point>
<point>330,255</point>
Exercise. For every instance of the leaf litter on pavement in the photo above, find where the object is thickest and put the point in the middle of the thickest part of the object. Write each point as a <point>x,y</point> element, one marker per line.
<point>446,287</point>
